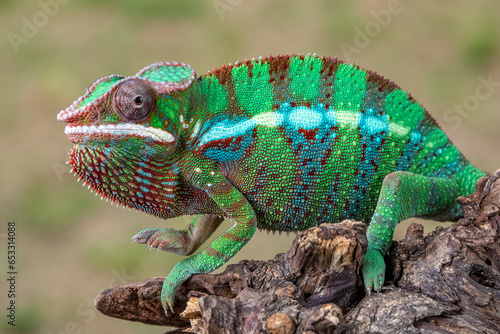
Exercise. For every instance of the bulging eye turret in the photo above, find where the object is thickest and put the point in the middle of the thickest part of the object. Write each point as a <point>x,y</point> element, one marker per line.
<point>134,100</point>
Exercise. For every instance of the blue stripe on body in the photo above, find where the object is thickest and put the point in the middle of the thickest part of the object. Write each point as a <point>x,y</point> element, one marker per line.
<point>414,144</point>
<point>371,124</point>
<point>310,146</point>
<point>225,129</point>
<point>303,118</point>
<point>291,118</point>
<point>231,152</point>
<point>228,129</point>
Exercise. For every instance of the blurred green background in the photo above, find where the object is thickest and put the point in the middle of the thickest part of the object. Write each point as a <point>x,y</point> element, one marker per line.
<point>70,245</point>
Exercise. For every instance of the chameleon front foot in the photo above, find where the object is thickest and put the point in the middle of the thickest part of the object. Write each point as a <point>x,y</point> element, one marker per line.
<point>166,239</point>
<point>373,269</point>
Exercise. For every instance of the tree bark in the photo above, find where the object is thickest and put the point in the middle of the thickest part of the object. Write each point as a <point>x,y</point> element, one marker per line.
<point>445,282</point>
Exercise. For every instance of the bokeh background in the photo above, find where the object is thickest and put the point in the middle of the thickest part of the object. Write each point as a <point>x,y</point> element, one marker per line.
<point>70,245</point>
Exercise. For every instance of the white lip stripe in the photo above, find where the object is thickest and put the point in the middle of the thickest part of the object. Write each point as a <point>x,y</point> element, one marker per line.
<point>121,129</point>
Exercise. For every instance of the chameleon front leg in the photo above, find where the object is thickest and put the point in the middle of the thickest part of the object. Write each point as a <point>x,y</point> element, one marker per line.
<point>234,204</point>
<point>182,242</point>
<point>403,195</point>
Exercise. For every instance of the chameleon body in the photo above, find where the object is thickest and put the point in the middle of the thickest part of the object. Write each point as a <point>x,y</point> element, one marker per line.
<point>279,143</point>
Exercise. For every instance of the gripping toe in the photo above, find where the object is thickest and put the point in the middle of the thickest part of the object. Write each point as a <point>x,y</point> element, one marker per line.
<point>143,236</point>
<point>165,239</point>
<point>373,269</point>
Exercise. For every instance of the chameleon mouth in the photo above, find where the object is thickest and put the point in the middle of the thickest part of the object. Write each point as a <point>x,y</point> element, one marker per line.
<point>80,133</point>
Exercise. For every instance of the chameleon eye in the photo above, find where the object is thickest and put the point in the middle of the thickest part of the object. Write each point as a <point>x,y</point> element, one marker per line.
<point>134,100</point>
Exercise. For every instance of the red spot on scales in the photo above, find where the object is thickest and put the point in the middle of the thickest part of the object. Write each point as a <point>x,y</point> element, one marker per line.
<point>234,144</point>
<point>325,157</point>
<point>363,152</point>
<point>309,134</point>
<point>329,199</point>
<point>375,165</point>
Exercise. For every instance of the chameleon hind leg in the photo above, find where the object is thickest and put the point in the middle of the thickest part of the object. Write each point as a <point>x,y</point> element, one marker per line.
<point>403,195</point>
<point>182,242</point>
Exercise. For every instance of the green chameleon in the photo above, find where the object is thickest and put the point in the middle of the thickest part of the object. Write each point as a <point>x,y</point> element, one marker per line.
<point>280,143</point>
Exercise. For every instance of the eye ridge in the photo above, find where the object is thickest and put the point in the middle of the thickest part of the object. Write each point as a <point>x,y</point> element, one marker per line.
<point>134,100</point>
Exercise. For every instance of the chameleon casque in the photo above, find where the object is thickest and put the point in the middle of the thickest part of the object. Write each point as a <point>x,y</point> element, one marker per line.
<point>279,143</point>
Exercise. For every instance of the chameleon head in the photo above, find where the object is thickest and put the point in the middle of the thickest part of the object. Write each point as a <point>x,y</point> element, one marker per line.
<point>125,132</point>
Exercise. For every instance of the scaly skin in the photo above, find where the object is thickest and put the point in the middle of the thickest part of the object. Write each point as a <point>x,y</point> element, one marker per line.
<point>281,143</point>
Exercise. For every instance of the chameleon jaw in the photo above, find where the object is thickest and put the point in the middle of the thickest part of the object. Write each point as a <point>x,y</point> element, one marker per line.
<point>78,133</point>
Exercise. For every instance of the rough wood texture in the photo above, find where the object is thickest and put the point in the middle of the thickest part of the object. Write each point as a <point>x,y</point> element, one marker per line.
<point>445,282</point>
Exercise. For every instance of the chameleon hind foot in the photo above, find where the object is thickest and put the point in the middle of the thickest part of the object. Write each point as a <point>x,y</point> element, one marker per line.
<point>373,269</point>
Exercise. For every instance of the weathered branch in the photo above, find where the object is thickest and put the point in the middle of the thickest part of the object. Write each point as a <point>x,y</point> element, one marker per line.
<point>446,282</point>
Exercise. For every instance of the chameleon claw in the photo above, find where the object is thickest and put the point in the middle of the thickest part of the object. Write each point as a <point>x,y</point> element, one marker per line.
<point>161,245</point>
<point>167,297</point>
<point>143,236</point>
<point>170,305</point>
